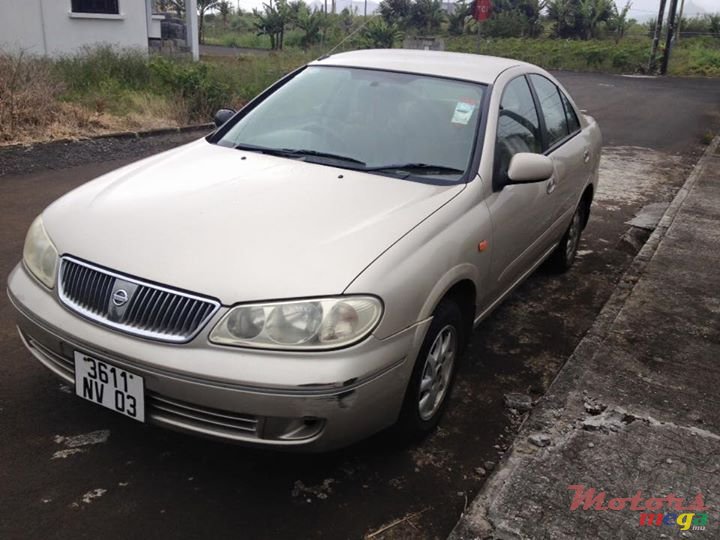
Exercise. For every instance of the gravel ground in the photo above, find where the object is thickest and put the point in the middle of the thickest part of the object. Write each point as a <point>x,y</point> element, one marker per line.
<point>25,159</point>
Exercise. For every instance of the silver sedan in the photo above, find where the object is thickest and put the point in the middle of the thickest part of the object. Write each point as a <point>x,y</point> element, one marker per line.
<point>310,272</point>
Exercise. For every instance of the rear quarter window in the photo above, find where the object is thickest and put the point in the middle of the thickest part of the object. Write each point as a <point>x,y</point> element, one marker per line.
<point>570,114</point>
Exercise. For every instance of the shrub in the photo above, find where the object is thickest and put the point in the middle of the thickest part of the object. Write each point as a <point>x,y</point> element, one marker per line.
<point>91,68</point>
<point>379,34</point>
<point>626,56</point>
<point>28,86</point>
<point>197,84</point>
<point>696,56</point>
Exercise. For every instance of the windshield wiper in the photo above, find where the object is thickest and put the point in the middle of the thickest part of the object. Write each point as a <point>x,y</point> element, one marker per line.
<point>406,168</point>
<point>416,168</point>
<point>315,153</point>
<point>296,153</point>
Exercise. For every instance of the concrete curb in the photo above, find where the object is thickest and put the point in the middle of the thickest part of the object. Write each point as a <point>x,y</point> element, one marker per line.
<point>115,135</point>
<point>481,526</point>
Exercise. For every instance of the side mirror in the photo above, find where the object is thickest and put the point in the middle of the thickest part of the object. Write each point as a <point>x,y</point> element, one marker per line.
<point>222,116</point>
<point>526,167</point>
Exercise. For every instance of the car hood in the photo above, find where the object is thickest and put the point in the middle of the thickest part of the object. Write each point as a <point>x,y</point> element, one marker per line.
<point>239,226</point>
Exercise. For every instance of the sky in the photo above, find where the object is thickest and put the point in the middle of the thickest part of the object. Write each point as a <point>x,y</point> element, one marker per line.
<point>641,9</point>
<point>647,9</point>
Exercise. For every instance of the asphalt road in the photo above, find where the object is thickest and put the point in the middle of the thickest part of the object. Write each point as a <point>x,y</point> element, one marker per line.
<point>662,113</point>
<point>130,480</point>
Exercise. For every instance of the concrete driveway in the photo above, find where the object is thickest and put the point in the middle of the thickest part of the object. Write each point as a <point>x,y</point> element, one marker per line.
<point>71,470</point>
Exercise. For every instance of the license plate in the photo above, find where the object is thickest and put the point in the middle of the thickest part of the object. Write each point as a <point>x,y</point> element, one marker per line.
<point>109,386</point>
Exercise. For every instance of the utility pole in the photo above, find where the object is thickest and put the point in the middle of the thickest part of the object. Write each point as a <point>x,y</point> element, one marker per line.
<point>656,36</point>
<point>670,36</point>
<point>679,24</point>
<point>366,8</point>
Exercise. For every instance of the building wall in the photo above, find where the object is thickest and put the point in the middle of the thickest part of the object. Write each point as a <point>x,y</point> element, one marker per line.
<point>49,27</point>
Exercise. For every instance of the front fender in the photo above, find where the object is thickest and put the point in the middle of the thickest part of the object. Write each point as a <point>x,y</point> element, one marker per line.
<point>414,274</point>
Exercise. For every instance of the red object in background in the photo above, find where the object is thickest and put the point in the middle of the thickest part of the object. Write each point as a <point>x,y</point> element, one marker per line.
<point>482,10</point>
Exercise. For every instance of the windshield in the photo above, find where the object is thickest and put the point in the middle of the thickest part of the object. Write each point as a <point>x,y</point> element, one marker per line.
<point>390,123</point>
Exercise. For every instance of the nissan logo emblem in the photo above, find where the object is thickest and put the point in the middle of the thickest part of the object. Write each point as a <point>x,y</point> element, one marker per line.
<point>120,297</point>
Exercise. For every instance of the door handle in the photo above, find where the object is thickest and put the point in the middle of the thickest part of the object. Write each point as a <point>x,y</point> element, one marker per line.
<point>586,155</point>
<point>551,185</point>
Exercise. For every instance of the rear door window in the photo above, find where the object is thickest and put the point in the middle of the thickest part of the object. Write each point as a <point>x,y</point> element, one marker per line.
<point>553,110</point>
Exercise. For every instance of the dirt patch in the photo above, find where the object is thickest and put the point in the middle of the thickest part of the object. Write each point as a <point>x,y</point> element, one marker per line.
<point>16,160</point>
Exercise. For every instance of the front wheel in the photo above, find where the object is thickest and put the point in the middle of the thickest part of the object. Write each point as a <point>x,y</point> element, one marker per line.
<point>564,255</point>
<point>427,393</point>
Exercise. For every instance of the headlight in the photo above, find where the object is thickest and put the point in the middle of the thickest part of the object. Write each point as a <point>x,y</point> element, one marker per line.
<point>324,323</point>
<point>39,253</point>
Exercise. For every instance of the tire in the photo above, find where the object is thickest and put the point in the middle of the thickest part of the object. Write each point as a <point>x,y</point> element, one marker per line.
<point>564,255</point>
<point>427,393</point>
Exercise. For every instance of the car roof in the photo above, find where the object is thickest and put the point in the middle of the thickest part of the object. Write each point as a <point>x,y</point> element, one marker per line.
<point>470,67</point>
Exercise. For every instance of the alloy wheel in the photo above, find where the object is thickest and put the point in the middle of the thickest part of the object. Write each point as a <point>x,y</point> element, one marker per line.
<point>436,372</point>
<point>573,237</point>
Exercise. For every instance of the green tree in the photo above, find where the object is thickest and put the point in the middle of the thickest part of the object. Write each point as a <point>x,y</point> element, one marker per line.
<point>426,15</point>
<point>515,18</point>
<point>460,16</point>
<point>594,12</point>
<point>225,9</point>
<point>312,23</point>
<point>294,8</point>
<point>533,11</point>
<point>379,34</point>
<point>714,24</point>
<point>395,12</point>
<point>203,6</point>
<point>578,19</point>
<point>619,22</point>
<point>566,17</point>
<point>272,21</point>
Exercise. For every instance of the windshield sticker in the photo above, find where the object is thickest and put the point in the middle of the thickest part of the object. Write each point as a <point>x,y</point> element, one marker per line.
<point>463,113</point>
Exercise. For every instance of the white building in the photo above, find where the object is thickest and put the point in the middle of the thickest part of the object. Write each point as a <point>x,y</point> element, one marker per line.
<point>57,27</point>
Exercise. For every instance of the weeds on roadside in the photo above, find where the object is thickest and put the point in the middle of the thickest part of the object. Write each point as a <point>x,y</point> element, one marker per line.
<point>27,93</point>
<point>106,89</point>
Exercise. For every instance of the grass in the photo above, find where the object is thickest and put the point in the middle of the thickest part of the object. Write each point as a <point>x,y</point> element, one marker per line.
<point>235,39</point>
<point>104,89</point>
<point>691,57</point>
<point>628,56</point>
<point>699,56</point>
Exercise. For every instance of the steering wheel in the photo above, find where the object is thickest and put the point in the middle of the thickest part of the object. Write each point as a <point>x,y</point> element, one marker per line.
<point>524,122</point>
<point>330,134</point>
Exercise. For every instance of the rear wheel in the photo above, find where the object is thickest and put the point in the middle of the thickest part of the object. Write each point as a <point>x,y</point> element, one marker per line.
<point>427,393</point>
<point>564,255</point>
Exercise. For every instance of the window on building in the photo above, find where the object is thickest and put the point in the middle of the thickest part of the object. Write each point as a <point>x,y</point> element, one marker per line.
<point>109,7</point>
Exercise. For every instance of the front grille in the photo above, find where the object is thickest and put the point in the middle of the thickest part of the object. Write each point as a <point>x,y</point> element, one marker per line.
<point>131,305</point>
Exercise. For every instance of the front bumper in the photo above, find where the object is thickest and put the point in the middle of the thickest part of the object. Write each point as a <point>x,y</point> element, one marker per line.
<point>312,401</point>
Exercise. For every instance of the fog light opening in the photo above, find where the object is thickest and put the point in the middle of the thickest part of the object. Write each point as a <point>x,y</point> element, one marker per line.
<point>292,429</point>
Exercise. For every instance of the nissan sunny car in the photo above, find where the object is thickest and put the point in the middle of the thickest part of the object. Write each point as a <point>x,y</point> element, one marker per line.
<point>310,272</point>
